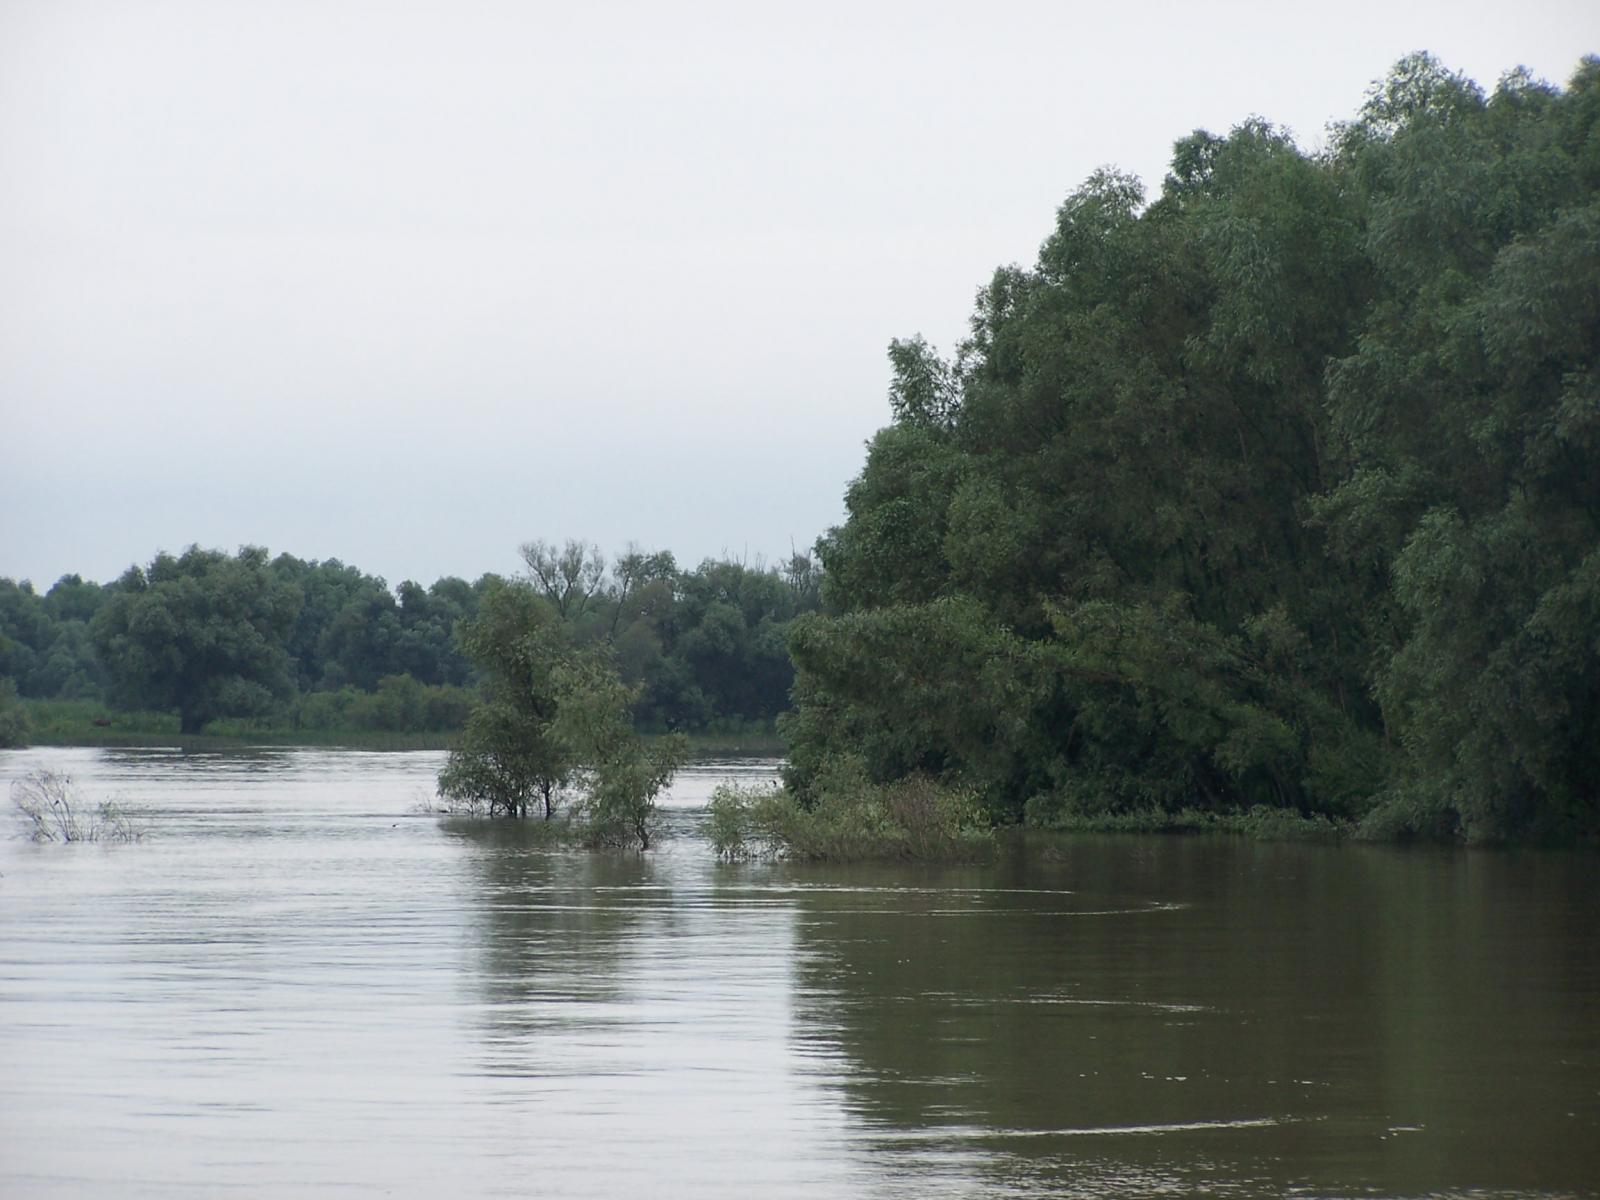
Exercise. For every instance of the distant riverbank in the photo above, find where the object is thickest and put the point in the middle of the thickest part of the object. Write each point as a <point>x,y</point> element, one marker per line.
<point>84,723</point>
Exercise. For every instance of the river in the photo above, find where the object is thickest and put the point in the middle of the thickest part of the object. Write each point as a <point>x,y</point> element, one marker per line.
<point>299,984</point>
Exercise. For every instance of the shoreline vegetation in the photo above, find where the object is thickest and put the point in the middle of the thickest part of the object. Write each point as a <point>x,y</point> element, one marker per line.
<point>248,645</point>
<point>920,819</point>
<point>88,724</point>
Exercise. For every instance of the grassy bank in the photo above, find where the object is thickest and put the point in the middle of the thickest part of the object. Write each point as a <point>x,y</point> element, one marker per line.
<point>89,723</point>
<point>1261,823</point>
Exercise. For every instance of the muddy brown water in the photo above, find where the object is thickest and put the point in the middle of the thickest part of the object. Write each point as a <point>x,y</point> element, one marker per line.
<point>298,985</point>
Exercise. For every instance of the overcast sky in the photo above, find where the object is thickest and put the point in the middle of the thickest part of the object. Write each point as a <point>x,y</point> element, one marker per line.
<point>407,284</point>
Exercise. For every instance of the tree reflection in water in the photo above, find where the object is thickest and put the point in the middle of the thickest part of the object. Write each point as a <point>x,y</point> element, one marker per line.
<point>556,926</point>
<point>1138,1016</point>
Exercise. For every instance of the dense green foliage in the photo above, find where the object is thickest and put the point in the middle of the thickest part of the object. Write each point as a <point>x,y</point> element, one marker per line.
<point>294,645</point>
<point>203,634</point>
<point>1279,490</point>
<point>14,725</point>
<point>369,723</point>
<point>45,648</point>
<point>323,654</point>
<point>352,631</point>
<point>706,648</point>
<point>511,755</point>
<point>553,715</point>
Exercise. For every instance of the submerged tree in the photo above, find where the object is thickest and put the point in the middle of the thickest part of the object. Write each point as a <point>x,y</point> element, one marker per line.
<point>511,756</point>
<point>622,773</point>
<point>552,715</point>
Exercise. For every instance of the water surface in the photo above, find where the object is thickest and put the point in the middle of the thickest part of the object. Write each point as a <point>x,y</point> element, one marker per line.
<point>299,984</point>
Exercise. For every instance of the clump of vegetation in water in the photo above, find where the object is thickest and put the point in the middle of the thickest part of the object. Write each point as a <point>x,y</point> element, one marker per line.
<point>554,721</point>
<point>54,812</point>
<point>916,818</point>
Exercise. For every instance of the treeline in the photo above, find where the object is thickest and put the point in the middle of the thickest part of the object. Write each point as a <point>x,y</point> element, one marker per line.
<point>324,646</point>
<point>1281,489</point>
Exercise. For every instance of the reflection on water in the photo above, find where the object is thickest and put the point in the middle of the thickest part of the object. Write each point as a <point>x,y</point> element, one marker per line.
<point>297,984</point>
<point>1205,1015</point>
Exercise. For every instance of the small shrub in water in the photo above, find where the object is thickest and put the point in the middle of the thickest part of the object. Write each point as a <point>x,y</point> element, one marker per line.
<point>54,813</point>
<point>746,822</point>
<point>853,819</point>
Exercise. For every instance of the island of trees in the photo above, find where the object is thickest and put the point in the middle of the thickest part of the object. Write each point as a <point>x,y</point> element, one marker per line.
<point>1275,495</point>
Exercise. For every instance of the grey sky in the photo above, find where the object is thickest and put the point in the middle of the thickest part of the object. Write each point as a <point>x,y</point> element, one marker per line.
<point>406,284</point>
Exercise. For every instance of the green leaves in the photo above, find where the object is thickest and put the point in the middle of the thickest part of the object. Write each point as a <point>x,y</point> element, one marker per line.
<point>1281,490</point>
<point>926,390</point>
<point>203,633</point>
<point>553,716</point>
<point>512,754</point>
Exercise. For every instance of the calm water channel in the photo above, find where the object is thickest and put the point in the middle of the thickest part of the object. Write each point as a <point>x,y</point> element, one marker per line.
<point>298,985</point>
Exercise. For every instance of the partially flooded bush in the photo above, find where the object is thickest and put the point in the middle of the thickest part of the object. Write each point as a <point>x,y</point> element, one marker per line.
<point>746,822</point>
<point>618,806</point>
<point>609,806</point>
<point>1403,813</point>
<point>54,813</point>
<point>937,820</point>
<point>852,819</point>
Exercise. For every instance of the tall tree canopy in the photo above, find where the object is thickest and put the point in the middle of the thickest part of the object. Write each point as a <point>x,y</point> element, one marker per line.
<point>1280,488</point>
